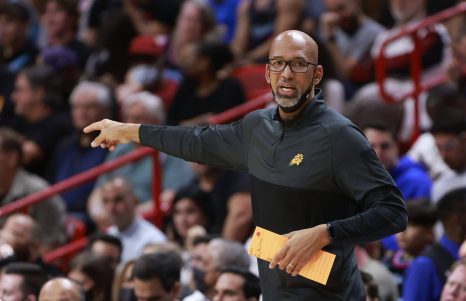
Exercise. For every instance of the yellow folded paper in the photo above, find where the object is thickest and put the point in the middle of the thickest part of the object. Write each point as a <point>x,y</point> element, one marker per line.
<point>265,244</point>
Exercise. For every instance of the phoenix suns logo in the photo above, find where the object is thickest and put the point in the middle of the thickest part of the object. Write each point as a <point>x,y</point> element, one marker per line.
<point>298,158</point>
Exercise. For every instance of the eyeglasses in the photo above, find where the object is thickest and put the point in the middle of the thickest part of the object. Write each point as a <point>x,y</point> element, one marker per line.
<point>296,66</point>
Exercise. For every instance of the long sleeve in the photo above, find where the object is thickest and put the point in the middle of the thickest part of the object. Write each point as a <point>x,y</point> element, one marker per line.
<point>360,175</point>
<point>220,145</point>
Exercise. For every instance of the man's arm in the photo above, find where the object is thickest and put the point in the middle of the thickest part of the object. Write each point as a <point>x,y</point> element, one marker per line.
<point>219,145</point>
<point>361,177</point>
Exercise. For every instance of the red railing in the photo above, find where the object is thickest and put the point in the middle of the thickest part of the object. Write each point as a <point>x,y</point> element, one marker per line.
<point>23,203</point>
<point>415,62</point>
<point>241,110</point>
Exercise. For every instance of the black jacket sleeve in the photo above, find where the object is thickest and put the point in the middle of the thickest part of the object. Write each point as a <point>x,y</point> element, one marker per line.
<point>219,145</point>
<point>358,172</point>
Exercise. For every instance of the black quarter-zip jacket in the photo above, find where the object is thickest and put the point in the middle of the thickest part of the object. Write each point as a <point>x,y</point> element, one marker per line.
<point>318,169</point>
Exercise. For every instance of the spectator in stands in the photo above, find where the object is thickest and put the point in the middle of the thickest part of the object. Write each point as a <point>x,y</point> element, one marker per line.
<point>24,235</point>
<point>59,21</point>
<point>95,274</point>
<point>237,285</point>
<point>412,242</point>
<point>203,92</point>
<point>16,183</point>
<point>147,70</point>
<point>349,34</point>
<point>38,101</point>
<point>220,254</point>
<point>90,101</point>
<point>65,63</point>
<point>134,232</point>
<point>410,177</point>
<point>431,266</point>
<point>123,287</point>
<point>424,151</point>
<point>230,194</point>
<point>225,17</point>
<point>449,131</point>
<point>436,53</point>
<point>110,58</point>
<point>142,107</point>
<point>312,11</point>
<point>462,251</point>
<point>455,287</point>
<point>194,267</point>
<point>194,24</point>
<point>21,281</point>
<point>456,67</point>
<point>153,17</point>
<point>106,245</point>
<point>435,43</point>
<point>384,279</point>
<point>372,290</point>
<point>259,22</point>
<point>58,289</point>
<point>332,84</point>
<point>16,50</point>
<point>156,276</point>
<point>191,207</point>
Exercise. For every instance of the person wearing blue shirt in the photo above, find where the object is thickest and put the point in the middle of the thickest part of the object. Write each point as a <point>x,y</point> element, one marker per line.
<point>225,17</point>
<point>410,177</point>
<point>426,275</point>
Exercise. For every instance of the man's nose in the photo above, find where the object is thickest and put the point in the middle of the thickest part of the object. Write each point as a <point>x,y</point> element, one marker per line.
<point>287,72</point>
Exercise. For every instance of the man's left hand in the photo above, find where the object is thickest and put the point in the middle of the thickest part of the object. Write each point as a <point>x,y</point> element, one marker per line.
<point>300,248</point>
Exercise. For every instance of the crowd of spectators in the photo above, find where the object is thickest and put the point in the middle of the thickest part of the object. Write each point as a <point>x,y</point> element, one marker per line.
<point>67,63</point>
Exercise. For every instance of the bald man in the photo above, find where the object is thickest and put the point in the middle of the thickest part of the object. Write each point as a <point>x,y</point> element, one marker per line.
<point>61,289</point>
<point>314,176</point>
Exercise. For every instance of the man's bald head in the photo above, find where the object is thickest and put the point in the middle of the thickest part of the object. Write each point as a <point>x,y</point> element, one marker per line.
<point>295,38</point>
<point>61,289</point>
<point>23,233</point>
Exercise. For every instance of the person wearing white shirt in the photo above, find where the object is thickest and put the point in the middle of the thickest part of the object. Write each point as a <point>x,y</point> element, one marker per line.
<point>134,232</point>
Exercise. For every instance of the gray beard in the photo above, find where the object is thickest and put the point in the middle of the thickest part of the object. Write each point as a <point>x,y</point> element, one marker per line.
<point>285,101</point>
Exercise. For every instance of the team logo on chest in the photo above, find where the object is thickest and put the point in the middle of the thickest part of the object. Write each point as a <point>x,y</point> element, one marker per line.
<point>297,159</point>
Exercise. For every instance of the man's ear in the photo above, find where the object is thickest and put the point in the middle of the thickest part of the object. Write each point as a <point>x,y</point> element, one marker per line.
<point>319,73</point>
<point>267,74</point>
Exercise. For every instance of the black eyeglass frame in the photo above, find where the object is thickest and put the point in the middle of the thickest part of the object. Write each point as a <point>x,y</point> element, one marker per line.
<point>288,63</point>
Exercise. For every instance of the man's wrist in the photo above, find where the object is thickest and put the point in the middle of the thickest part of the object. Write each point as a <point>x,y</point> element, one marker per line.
<point>133,132</point>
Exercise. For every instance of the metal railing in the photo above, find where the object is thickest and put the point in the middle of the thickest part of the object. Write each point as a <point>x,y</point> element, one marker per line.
<point>382,62</point>
<point>84,177</point>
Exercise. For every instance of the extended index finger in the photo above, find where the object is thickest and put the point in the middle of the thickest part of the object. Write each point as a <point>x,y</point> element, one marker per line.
<point>96,126</point>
